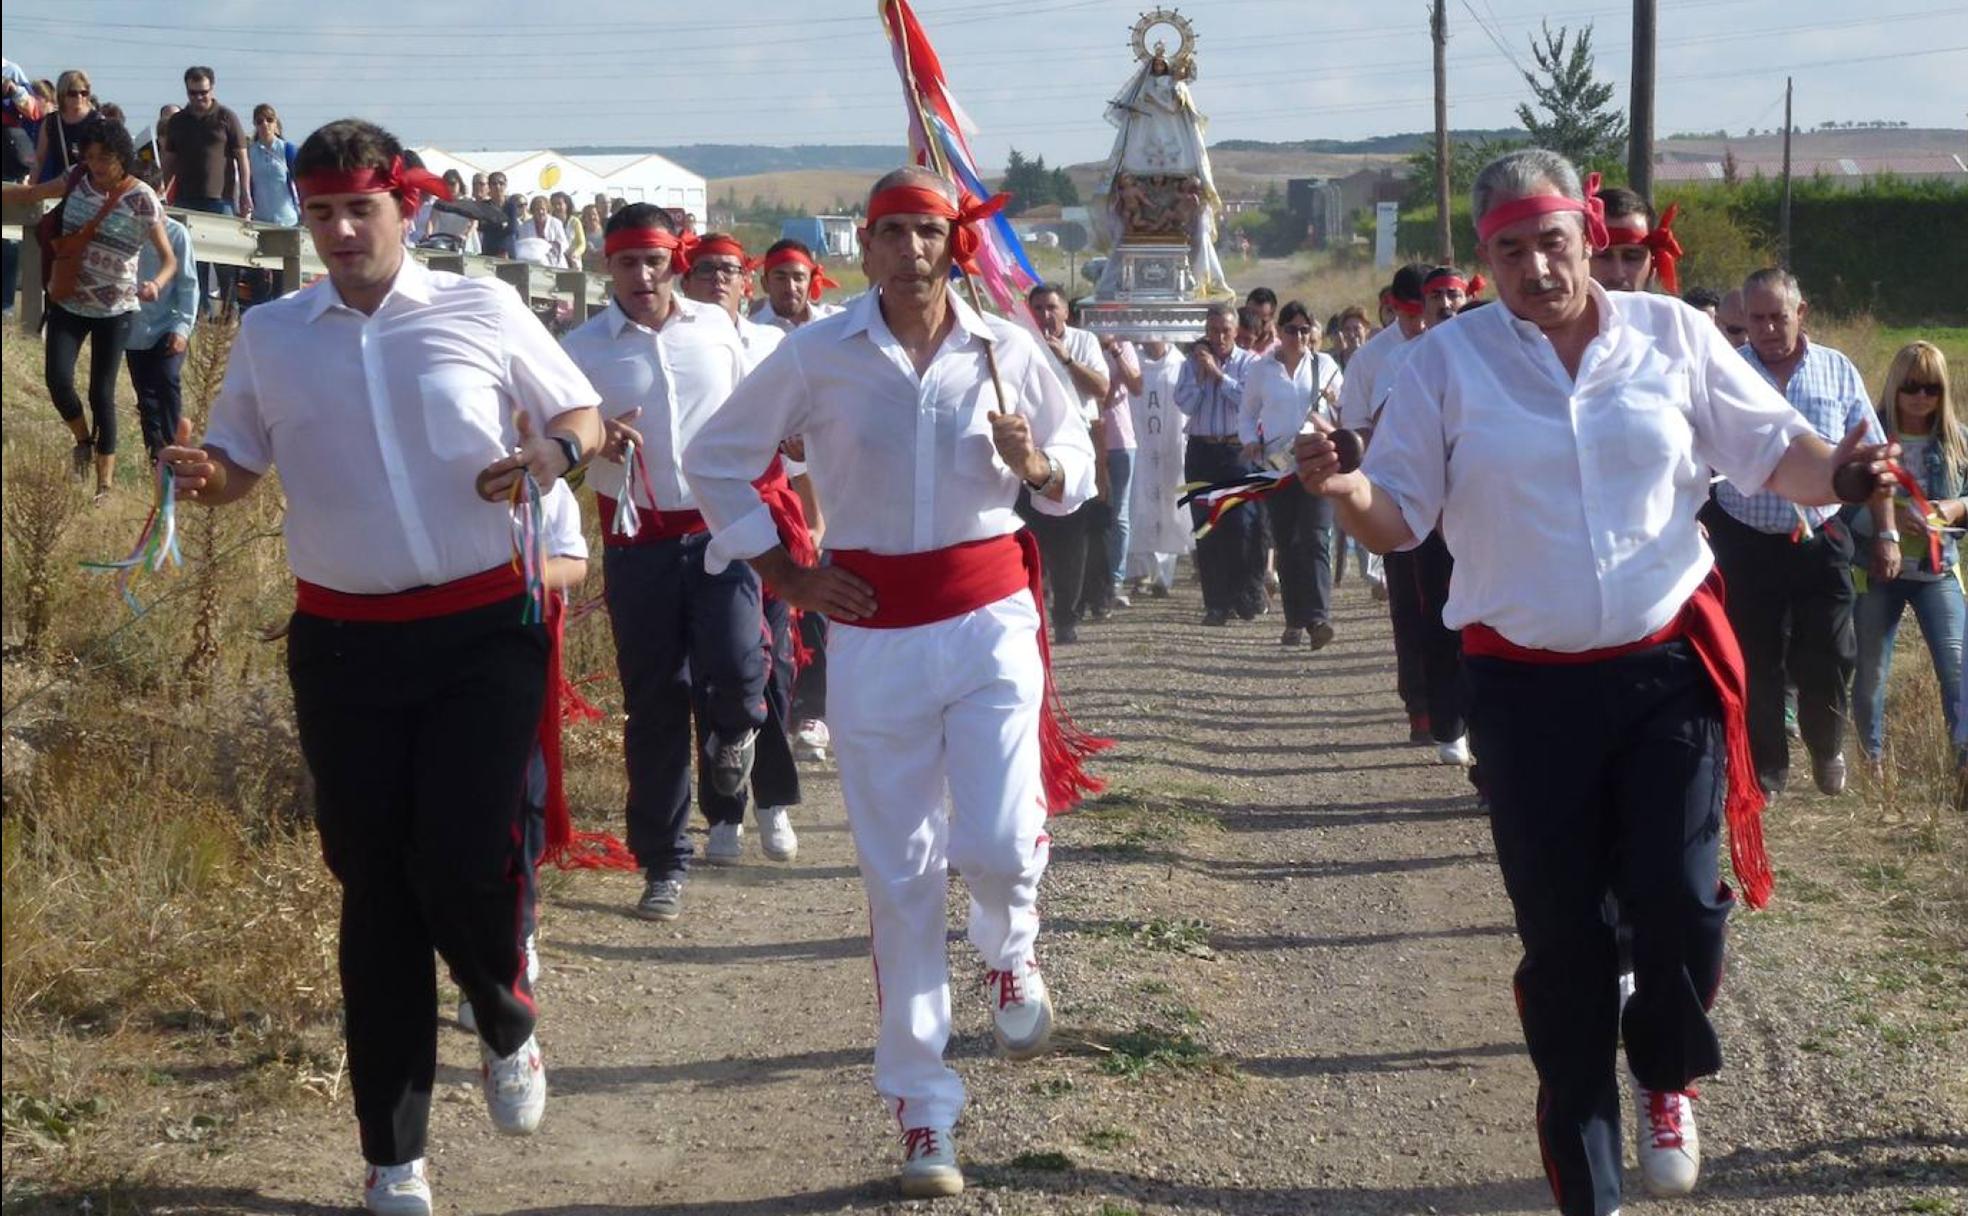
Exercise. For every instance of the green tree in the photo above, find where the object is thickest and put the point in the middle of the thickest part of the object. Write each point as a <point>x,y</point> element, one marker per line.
<point>1576,121</point>
<point>1466,159</point>
<point>1029,183</point>
<point>1064,192</point>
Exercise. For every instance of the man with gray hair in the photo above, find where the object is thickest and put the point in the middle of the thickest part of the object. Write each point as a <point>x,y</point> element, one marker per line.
<point>1575,427</point>
<point>1790,568</point>
<point>923,420</point>
<point>1210,393</point>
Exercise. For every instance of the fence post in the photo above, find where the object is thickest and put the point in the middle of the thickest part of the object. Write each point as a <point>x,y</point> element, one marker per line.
<point>285,244</point>
<point>29,292</point>
<point>576,282</point>
<point>440,260</point>
<point>518,275</point>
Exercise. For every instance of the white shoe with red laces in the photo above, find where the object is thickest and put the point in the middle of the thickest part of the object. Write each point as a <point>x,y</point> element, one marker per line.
<point>515,1087</point>
<point>929,1164</point>
<point>397,1190</point>
<point>1670,1148</point>
<point>1021,1012</point>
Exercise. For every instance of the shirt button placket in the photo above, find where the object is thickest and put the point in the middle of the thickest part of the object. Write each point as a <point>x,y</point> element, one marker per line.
<point>922,527</point>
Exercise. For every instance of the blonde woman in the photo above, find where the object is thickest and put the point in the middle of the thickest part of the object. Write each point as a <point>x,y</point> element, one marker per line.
<point>577,235</point>
<point>271,155</point>
<point>59,148</point>
<point>1918,411</point>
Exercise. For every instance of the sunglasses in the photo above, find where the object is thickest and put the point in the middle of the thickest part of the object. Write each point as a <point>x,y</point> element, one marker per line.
<point>198,92</point>
<point>1921,390</point>
<point>75,92</point>
<point>1301,331</point>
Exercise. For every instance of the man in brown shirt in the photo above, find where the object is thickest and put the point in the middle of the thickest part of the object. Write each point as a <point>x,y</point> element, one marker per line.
<point>204,151</point>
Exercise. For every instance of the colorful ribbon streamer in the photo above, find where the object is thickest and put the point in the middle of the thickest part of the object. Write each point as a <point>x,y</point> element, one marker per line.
<point>529,534</point>
<point>157,544</point>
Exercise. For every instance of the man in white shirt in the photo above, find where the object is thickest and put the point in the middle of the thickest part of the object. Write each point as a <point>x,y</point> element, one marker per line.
<point>795,287</point>
<point>389,396</point>
<point>923,419</point>
<point>1210,394</point>
<point>721,274</point>
<point>1607,688</point>
<point>686,637</point>
<point>1075,357</point>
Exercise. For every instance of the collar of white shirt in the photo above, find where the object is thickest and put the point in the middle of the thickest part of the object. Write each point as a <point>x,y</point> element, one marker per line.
<point>413,283</point>
<point>865,316</point>
<point>687,310</point>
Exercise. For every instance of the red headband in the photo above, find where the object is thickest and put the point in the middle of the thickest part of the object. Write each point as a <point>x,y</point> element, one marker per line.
<point>680,247</point>
<point>406,183</point>
<point>917,200</point>
<point>1454,282</point>
<point>818,284</point>
<point>1661,242</point>
<point>1593,208</point>
<point>1407,308</point>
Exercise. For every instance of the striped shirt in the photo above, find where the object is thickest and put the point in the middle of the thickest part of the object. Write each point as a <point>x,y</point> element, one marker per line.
<point>1831,395</point>
<point>1216,407</point>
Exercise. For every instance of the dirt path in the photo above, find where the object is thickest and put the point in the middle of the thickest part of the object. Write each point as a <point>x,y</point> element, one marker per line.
<point>1280,952</point>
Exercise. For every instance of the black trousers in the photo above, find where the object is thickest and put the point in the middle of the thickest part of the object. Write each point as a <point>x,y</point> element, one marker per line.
<point>688,646</point>
<point>1063,555</point>
<point>418,736</point>
<point>1417,590</point>
<point>1096,583</point>
<point>1230,560</point>
<point>810,685</point>
<point>62,348</point>
<point>155,373</point>
<point>1302,528</point>
<point>1606,776</point>
<point>1791,606</point>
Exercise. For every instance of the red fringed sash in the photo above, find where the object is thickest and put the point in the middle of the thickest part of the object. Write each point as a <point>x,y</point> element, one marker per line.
<point>567,847</point>
<point>914,589</point>
<point>1705,625</point>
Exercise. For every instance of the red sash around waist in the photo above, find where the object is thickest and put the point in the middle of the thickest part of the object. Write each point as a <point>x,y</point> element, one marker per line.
<point>914,589</point>
<point>502,582</point>
<point>1703,622</point>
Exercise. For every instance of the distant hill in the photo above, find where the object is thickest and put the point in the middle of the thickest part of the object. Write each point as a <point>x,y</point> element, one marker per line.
<point>1399,145</point>
<point>746,160</point>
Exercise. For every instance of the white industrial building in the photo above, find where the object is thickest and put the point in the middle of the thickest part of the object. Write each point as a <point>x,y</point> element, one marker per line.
<point>639,177</point>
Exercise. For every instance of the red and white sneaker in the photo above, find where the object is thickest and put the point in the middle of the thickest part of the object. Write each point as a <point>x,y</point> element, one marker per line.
<point>515,1087</point>
<point>1669,1146</point>
<point>397,1190</point>
<point>1021,1011</point>
<point>929,1164</point>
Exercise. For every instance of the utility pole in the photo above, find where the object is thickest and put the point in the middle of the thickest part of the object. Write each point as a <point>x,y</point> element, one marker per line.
<point>1438,28</point>
<point>1640,120</point>
<point>1783,211</point>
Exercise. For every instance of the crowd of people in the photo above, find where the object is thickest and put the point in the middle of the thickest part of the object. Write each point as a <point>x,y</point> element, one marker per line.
<point>1617,532</point>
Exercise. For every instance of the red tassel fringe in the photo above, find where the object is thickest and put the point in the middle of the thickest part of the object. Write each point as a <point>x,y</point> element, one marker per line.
<point>1064,747</point>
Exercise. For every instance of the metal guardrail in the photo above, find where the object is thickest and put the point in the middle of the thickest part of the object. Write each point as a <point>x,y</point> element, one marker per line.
<point>222,240</point>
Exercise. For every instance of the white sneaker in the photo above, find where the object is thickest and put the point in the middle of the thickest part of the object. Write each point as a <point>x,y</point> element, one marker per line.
<point>1021,1011</point>
<point>929,1164</point>
<point>1626,989</point>
<point>397,1190</point>
<point>776,834</point>
<point>811,739</point>
<point>726,845</point>
<point>515,1087</point>
<point>1669,1147</point>
<point>1455,751</point>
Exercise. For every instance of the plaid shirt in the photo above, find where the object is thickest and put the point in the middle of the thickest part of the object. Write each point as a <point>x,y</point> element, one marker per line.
<point>1828,390</point>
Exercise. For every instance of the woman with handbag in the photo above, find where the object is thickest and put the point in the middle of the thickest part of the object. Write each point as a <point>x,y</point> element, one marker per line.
<point>102,223</point>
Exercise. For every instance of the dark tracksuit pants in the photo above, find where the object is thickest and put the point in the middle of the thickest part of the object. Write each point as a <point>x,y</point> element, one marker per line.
<point>1791,606</point>
<point>688,644</point>
<point>155,374</point>
<point>1417,590</point>
<point>1230,560</point>
<point>775,776</point>
<point>1302,528</point>
<point>1605,776</point>
<point>417,735</point>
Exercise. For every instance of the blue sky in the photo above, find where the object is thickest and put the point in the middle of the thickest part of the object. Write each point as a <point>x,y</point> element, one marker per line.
<point>1033,74</point>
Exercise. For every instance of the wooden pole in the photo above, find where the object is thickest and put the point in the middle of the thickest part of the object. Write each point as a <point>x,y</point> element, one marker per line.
<point>1640,134</point>
<point>1438,29</point>
<point>1783,212</point>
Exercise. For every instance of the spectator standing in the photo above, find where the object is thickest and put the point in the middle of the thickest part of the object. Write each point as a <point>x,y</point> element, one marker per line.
<point>1793,565</point>
<point>495,237</point>
<point>59,148</point>
<point>591,220</point>
<point>539,238</point>
<point>1285,389</point>
<point>1918,410</point>
<point>271,157</point>
<point>205,159</point>
<point>21,113</point>
<point>562,206</point>
<point>443,223</point>
<point>161,332</point>
<point>114,215</point>
<point>1117,433</point>
<point>1210,394</point>
<point>1074,356</point>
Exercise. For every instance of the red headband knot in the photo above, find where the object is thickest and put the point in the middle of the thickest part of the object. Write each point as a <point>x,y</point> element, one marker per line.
<point>965,240</point>
<point>680,246</point>
<point>1660,241</point>
<point>793,257</point>
<point>1496,219</point>
<point>406,183</point>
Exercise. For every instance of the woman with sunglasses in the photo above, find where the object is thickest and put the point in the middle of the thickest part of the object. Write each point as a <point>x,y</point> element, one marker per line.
<point>1918,412</point>
<point>58,150</point>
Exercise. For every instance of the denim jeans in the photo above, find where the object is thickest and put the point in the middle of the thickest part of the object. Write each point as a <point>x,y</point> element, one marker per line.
<point>1938,606</point>
<point>1120,472</point>
<point>215,283</point>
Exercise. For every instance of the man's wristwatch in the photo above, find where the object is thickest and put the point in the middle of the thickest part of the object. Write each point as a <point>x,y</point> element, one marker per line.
<point>570,447</point>
<point>1890,534</point>
<point>1054,476</point>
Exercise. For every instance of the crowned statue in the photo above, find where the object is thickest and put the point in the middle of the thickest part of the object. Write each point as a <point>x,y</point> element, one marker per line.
<point>1157,189</point>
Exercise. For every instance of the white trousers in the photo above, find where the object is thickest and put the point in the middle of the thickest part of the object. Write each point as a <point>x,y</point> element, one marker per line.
<point>936,733</point>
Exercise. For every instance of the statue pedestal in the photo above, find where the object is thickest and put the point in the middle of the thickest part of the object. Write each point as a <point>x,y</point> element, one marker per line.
<point>1147,292</point>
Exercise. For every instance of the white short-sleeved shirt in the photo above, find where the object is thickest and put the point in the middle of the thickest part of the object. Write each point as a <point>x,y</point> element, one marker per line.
<point>1570,505</point>
<point>1279,404</point>
<point>561,512</point>
<point>1085,349</point>
<point>678,376</point>
<point>1364,389</point>
<point>380,424</point>
<point>901,463</point>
